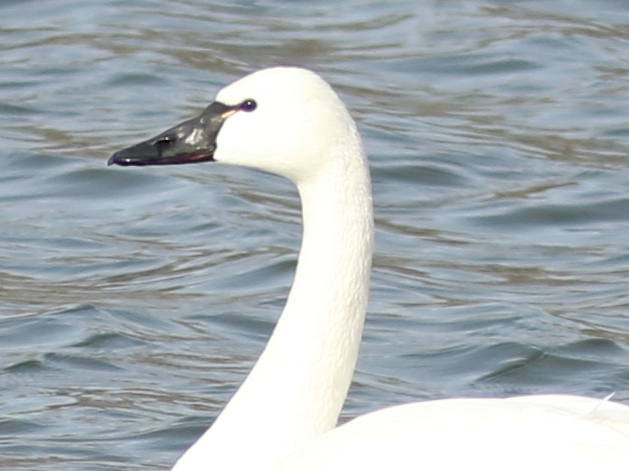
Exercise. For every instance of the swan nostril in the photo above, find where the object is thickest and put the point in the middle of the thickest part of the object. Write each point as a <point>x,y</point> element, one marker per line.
<point>164,143</point>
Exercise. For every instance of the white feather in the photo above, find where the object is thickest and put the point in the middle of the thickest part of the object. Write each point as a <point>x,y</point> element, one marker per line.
<point>283,416</point>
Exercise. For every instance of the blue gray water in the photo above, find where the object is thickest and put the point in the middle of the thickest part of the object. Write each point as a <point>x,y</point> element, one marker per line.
<point>133,301</point>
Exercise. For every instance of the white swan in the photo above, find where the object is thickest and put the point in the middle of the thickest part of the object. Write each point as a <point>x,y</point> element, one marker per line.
<point>290,122</point>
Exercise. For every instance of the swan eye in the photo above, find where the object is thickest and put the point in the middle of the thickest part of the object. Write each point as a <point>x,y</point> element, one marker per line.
<point>248,105</point>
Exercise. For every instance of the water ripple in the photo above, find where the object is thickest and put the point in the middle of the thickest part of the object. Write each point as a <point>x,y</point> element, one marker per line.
<point>132,302</point>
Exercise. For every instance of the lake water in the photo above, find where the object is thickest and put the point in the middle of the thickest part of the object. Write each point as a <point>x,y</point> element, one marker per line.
<point>134,301</point>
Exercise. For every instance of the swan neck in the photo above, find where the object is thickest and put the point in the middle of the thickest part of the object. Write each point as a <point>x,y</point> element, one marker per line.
<point>298,386</point>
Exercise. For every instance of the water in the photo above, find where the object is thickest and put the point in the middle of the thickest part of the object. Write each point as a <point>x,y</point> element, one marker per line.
<point>133,301</point>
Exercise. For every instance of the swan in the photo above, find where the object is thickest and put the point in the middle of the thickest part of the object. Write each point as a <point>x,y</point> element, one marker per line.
<point>290,122</point>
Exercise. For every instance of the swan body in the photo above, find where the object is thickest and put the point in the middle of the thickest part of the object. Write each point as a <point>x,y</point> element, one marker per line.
<point>521,433</point>
<point>290,122</point>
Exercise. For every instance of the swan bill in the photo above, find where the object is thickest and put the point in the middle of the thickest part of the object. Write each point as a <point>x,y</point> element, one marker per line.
<point>192,141</point>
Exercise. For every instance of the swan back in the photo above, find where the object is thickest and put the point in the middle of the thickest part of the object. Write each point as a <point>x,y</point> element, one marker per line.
<point>546,432</point>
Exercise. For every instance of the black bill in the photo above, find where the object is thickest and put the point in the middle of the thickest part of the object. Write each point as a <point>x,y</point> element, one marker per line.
<point>189,142</point>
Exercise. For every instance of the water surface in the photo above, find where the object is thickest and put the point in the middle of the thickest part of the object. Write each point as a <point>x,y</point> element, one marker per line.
<point>133,301</point>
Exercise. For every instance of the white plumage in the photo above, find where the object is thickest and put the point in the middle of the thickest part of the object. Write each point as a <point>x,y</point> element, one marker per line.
<point>283,417</point>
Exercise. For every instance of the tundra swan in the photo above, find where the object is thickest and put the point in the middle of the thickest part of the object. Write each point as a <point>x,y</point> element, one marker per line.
<point>290,122</point>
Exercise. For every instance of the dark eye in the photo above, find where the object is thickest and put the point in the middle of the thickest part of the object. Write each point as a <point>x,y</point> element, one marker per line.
<point>248,105</point>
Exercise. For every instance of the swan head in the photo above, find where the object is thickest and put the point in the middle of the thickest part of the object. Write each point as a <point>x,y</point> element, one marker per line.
<point>283,120</point>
